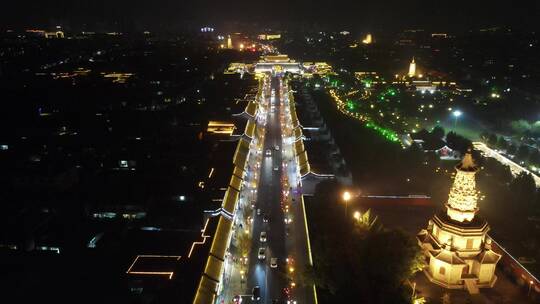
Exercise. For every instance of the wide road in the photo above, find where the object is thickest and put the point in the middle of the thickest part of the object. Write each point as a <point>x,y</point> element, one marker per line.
<point>271,280</point>
<point>514,168</point>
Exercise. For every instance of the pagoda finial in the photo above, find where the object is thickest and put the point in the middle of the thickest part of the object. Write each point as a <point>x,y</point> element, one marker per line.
<point>467,163</point>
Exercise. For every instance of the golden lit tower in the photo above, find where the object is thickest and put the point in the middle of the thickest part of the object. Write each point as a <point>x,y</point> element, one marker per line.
<point>455,242</point>
<point>412,68</point>
<point>229,42</point>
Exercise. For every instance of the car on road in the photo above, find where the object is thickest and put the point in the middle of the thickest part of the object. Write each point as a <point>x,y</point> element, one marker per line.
<point>265,218</point>
<point>262,253</point>
<point>277,301</point>
<point>263,236</point>
<point>273,263</point>
<point>258,211</point>
<point>284,297</point>
<point>237,299</point>
<point>268,152</point>
<point>276,147</point>
<point>276,168</point>
<point>256,293</point>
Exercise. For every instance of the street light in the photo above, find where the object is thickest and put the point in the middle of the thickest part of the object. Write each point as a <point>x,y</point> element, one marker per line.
<point>530,285</point>
<point>414,290</point>
<point>457,114</point>
<point>357,215</point>
<point>346,197</point>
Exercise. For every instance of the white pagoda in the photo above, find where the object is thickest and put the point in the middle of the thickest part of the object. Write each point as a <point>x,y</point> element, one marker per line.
<point>412,69</point>
<point>455,242</point>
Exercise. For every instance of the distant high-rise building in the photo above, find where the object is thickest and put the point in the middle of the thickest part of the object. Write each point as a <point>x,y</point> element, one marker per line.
<point>368,39</point>
<point>229,42</point>
<point>412,68</point>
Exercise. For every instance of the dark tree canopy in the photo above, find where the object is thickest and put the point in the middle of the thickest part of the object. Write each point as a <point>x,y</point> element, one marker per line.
<point>524,189</point>
<point>458,142</point>
<point>438,132</point>
<point>369,269</point>
<point>522,152</point>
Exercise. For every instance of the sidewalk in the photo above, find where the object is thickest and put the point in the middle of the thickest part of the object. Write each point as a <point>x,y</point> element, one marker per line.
<point>297,241</point>
<point>234,282</point>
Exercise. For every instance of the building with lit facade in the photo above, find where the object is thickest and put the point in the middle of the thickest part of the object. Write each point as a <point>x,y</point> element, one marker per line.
<point>277,64</point>
<point>269,36</point>
<point>368,39</point>
<point>455,241</point>
<point>424,86</point>
<point>321,68</point>
<point>47,34</point>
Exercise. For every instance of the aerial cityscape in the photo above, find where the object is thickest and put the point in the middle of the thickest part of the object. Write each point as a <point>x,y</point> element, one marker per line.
<point>270,152</point>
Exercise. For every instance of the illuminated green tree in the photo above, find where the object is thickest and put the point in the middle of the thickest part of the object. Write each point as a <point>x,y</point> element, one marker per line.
<point>520,126</point>
<point>365,223</point>
<point>244,244</point>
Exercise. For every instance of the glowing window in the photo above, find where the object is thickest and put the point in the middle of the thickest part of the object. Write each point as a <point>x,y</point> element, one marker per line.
<point>442,271</point>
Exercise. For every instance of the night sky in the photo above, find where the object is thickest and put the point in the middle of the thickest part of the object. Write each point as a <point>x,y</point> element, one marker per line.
<point>352,14</point>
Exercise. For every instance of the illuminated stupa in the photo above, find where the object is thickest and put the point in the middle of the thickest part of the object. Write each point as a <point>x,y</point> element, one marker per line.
<point>455,242</point>
<point>412,69</point>
<point>229,42</point>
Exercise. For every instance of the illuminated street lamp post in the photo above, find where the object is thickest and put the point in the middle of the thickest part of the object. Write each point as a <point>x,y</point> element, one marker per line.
<point>530,285</point>
<point>457,114</point>
<point>241,278</point>
<point>346,198</point>
<point>413,291</point>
